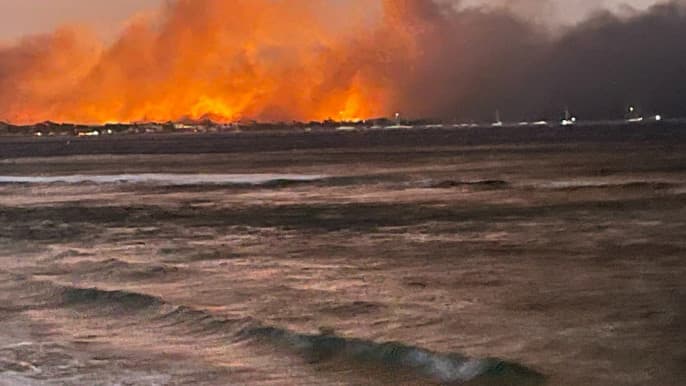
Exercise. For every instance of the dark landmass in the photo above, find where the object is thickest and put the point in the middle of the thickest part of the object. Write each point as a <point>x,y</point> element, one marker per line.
<point>215,138</point>
<point>52,129</point>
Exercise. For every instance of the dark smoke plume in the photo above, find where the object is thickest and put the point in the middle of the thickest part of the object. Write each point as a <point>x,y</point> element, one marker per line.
<point>476,61</point>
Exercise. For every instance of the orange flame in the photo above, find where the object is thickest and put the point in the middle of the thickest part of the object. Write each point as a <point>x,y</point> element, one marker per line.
<point>226,60</point>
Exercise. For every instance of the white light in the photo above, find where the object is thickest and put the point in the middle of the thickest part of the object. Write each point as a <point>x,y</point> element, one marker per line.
<point>573,119</point>
<point>658,117</point>
<point>631,109</point>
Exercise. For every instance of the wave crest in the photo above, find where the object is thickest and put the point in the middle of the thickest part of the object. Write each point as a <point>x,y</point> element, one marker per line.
<point>451,368</point>
<point>445,368</point>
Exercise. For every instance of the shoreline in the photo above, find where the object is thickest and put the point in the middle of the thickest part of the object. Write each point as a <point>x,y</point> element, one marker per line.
<point>664,134</point>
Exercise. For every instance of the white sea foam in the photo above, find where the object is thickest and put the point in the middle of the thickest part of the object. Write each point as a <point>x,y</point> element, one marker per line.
<point>598,183</point>
<point>163,179</point>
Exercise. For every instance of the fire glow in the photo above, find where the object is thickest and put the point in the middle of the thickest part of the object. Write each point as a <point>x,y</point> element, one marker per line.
<point>224,60</point>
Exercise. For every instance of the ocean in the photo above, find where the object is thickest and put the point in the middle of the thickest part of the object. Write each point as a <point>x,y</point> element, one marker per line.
<point>434,258</point>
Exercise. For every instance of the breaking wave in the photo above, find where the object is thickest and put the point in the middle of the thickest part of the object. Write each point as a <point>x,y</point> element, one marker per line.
<point>169,179</point>
<point>450,368</point>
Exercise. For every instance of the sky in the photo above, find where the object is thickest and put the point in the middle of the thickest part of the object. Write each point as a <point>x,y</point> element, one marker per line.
<point>23,17</point>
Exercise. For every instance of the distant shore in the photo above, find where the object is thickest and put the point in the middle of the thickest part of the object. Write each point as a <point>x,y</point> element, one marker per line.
<point>288,138</point>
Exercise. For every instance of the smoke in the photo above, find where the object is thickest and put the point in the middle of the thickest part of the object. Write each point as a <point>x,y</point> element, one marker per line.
<point>556,14</point>
<point>305,59</point>
<point>477,60</point>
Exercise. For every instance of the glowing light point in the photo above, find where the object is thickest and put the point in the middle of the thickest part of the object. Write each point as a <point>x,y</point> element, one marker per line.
<point>658,117</point>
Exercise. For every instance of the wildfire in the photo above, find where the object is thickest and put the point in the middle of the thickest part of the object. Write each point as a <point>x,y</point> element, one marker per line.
<point>224,60</point>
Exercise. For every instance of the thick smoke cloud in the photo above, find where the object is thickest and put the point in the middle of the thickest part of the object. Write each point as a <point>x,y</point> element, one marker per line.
<point>557,14</point>
<point>476,61</point>
<point>282,60</point>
